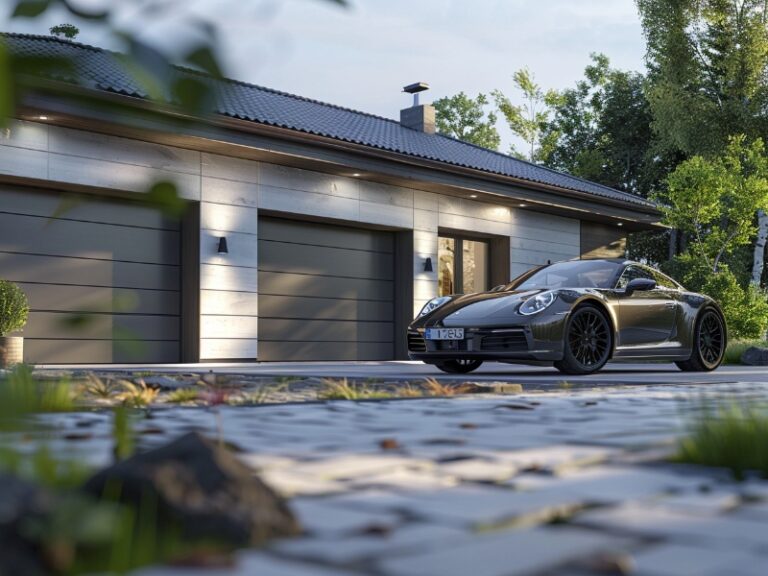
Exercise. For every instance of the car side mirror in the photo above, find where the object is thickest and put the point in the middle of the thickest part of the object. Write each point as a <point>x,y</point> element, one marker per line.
<point>639,284</point>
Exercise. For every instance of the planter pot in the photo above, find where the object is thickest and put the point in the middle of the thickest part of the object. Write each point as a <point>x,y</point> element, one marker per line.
<point>11,350</point>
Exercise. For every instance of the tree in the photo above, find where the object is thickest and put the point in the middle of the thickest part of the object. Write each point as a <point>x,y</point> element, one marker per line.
<point>465,118</point>
<point>715,200</point>
<point>708,62</point>
<point>68,31</point>
<point>528,120</point>
<point>601,130</point>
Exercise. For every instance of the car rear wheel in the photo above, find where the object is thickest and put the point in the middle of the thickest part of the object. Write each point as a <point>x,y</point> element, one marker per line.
<point>709,343</point>
<point>588,341</point>
<point>459,366</point>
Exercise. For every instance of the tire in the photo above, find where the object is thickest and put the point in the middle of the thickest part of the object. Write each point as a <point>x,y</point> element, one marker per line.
<point>710,340</point>
<point>459,366</point>
<point>587,343</point>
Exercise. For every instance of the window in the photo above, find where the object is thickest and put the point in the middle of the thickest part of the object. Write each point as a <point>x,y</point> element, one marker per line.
<point>632,273</point>
<point>665,281</point>
<point>462,265</point>
<point>572,274</point>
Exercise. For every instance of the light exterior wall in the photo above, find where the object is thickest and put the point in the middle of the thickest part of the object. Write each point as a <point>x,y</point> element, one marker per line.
<point>233,191</point>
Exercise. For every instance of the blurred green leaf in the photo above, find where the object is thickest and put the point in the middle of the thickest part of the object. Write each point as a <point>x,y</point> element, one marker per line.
<point>204,58</point>
<point>30,8</point>
<point>164,196</point>
<point>193,95</point>
<point>85,14</point>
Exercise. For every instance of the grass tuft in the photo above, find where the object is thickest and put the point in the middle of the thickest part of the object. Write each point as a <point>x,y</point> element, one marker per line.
<point>435,388</point>
<point>733,437</point>
<point>183,396</point>
<point>344,390</point>
<point>137,395</point>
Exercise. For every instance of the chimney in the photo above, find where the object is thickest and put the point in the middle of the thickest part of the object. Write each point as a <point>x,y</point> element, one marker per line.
<point>420,117</point>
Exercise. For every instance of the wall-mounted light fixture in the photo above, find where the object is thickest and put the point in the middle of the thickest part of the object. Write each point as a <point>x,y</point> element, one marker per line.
<point>223,248</point>
<point>428,265</point>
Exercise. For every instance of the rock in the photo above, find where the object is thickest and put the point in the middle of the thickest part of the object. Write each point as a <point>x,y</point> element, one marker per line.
<point>754,356</point>
<point>20,502</point>
<point>202,489</point>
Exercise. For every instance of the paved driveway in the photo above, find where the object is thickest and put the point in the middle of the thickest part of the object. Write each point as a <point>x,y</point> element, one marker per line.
<point>532,376</point>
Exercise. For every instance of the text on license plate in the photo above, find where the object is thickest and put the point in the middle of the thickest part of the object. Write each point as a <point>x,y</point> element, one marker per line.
<point>444,334</point>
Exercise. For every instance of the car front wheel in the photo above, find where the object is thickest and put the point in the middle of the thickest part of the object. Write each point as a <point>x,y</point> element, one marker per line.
<point>588,341</point>
<point>459,366</point>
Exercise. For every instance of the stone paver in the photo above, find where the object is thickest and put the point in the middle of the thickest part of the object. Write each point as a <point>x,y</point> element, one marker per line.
<point>565,481</point>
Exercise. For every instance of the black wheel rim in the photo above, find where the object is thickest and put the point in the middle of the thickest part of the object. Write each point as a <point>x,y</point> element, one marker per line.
<point>711,340</point>
<point>589,338</point>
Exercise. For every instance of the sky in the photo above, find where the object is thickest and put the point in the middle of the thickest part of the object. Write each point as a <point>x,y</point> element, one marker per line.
<point>361,56</point>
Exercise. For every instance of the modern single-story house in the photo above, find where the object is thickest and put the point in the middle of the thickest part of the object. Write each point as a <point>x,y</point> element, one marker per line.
<point>312,232</point>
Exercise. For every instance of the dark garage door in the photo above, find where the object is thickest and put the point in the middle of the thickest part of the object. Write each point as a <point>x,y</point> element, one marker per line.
<point>102,277</point>
<point>325,292</point>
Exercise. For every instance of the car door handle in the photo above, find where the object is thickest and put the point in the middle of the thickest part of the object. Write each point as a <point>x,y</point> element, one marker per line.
<point>670,305</point>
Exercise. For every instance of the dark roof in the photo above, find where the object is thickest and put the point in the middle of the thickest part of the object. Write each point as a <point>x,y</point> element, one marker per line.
<point>103,70</point>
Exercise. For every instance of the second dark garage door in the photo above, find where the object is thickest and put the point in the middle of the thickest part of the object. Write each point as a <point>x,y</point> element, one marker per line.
<point>326,292</point>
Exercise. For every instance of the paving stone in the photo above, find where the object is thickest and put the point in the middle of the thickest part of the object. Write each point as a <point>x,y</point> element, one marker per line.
<point>405,479</point>
<point>477,470</point>
<point>482,507</point>
<point>683,560</point>
<point>288,483</point>
<point>556,458</point>
<point>414,537</point>
<point>723,531</point>
<point>350,466</point>
<point>248,563</point>
<point>319,517</point>
<point>611,484</point>
<point>504,554</point>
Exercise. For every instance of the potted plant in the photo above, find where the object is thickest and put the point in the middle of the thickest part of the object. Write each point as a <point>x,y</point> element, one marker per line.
<point>14,310</point>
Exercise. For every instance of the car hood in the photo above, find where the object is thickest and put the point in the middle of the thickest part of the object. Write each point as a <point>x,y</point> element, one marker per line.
<point>479,307</point>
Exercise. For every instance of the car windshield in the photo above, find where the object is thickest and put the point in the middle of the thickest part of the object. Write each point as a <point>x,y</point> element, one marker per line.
<point>573,274</point>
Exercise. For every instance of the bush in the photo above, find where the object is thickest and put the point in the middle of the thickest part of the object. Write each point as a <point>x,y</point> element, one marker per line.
<point>14,308</point>
<point>745,309</point>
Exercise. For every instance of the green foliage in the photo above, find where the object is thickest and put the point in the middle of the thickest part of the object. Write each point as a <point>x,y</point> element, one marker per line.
<point>528,119</point>
<point>708,61</point>
<point>465,118</point>
<point>651,246</point>
<point>600,130</point>
<point>715,200</point>
<point>122,433</point>
<point>183,396</point>
<point>737,347</point>
<point>21,395</point>
<point>14,308</point>
<point>68,31</point>
<point>734,437</point>
<point>745,308</point>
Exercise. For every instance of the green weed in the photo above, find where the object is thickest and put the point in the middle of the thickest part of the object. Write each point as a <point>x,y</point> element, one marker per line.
<point>734,437</point>
<point>183,396</point>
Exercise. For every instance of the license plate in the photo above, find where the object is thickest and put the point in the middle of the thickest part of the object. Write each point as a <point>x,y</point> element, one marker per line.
<point>444,334</point>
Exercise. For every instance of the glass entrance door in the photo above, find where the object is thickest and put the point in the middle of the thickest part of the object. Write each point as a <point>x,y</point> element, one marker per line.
<point>462,265</point>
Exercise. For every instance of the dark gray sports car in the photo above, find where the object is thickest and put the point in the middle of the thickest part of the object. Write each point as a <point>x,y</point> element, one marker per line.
<point>578,315</point>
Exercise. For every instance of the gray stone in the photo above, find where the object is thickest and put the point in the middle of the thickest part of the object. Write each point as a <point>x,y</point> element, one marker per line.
<point>504,554</point>
<point>754,356</point>
<point>686,560</point>
<point>247,563</point>
<point>317,516</point>
<point>202,489</point>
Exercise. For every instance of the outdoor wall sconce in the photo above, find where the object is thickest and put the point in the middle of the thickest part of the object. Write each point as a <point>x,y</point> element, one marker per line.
<point>223,249</point>
<point>428,265</point>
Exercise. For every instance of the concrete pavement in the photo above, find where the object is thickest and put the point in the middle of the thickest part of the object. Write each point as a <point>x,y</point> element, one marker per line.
<point>533,377</point>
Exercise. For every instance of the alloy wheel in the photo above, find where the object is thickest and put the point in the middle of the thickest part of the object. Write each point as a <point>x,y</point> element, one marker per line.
<point>711,339</point>
<point>589,337</point>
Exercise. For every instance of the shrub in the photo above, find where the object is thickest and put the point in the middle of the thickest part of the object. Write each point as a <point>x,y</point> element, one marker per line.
<point>14,308</point>
<point>745,309</point>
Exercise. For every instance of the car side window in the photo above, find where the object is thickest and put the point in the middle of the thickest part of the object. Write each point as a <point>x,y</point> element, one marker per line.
<point>664,281</point>
<point>631,273</point>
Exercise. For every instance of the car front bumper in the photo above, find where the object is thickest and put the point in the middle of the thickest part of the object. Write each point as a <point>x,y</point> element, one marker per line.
<point>507,344</point>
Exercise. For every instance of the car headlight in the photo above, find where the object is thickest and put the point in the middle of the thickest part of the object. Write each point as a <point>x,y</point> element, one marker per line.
<point>537,303</point>
<point>433,304</point>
